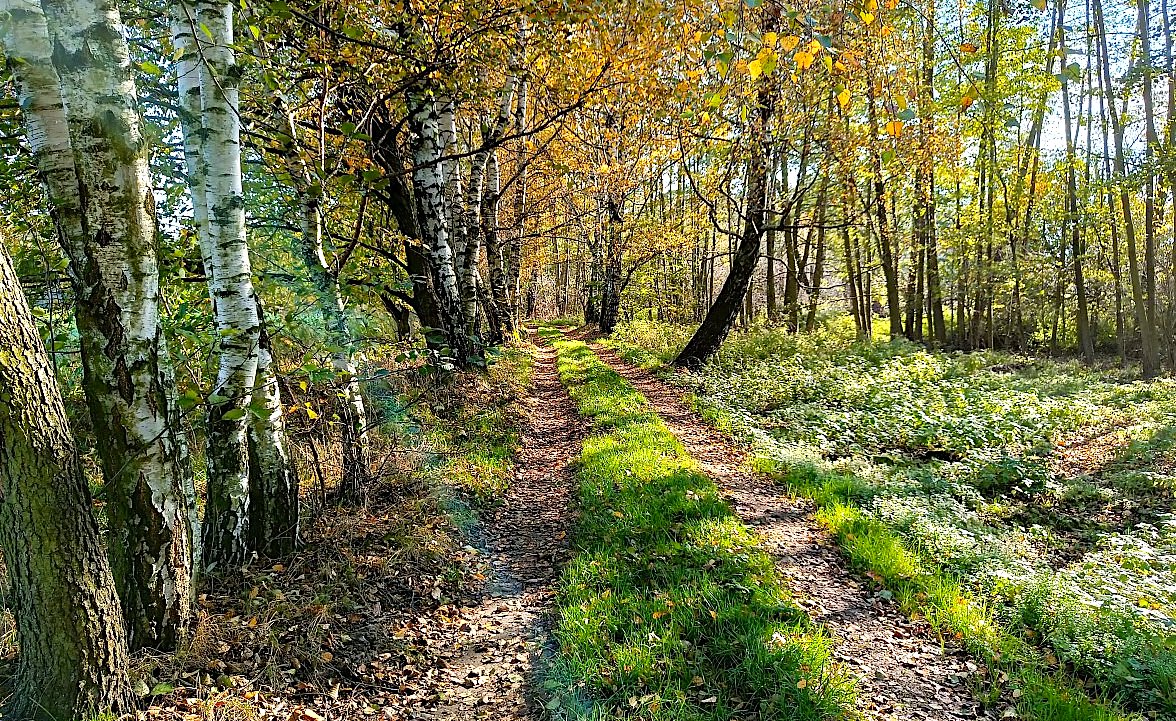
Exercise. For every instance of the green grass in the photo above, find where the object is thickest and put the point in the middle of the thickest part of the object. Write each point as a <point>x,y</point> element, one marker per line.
<point>668,609</point>
<point>482,430</point>
<point>923,590</point>
<point>966,543</point>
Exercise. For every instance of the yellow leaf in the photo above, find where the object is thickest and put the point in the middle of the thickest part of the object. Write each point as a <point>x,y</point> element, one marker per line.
<point>803,683</point>
<point>886,30</point>
<point>894,128</point>
<point>867,18</point>
<point>843,99</point>
<point>769,39</point>
<point>755,68</point>
<point>788,42</point>
<point>803,59</point>
<point>968,48</point>
<point>966,102</point>
<point>871,5</point>
<point>327,656</point>
<point>814,47</point>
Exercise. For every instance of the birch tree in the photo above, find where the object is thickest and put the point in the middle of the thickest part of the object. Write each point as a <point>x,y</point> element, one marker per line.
<point>244,407</point>
<point>325,279</point>
<point>80,108</point>
<point>73,650</point>
<point>429,191</point>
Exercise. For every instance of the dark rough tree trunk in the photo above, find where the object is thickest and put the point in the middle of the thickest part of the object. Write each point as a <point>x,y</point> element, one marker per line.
<point>610,295</point>
<point>889,257</point>
<point>73,649</point>
<point>718,321</point>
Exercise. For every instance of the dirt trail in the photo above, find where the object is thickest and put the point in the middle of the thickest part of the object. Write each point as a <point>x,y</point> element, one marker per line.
<point>905,672</point>
<point>493,649</point>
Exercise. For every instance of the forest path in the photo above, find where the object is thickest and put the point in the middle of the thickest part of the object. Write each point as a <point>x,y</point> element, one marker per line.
<point>904,672</point>
<point>496,647</point>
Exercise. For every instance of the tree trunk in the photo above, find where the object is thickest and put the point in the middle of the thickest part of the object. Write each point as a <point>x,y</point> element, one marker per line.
<point>352,411</point>
<point>717,324</point>
<point>495,260</point>
<point>1085,341</point>
<point>428,178</point>
<point>73,649</point>
<point>273,480</point>
<point>889,258</point>
<point>1151,359</point>
<point>1149,352</point>
<point>210,119</point>
<point>515,249</point>
<point>93,161</point>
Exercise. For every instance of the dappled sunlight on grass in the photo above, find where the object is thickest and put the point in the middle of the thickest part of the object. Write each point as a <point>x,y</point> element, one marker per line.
<point>669,610</point>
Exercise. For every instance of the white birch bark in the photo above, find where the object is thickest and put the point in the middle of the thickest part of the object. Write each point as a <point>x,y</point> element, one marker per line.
<point>476,217</point>
<point>273,499</point>
<point>428,178</point>
<point>495,260</point>
<point>515,250</point>
<point>209,105</point>
<point>93,160</point>
<point>272,496</point>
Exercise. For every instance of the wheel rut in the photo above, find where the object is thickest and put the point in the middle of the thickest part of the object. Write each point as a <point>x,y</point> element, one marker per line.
<point>904,671</point>
<point>491,652</point>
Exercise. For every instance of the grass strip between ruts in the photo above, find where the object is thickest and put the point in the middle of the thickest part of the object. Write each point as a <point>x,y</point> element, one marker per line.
<point>668,609</point>
<point>918,583</point>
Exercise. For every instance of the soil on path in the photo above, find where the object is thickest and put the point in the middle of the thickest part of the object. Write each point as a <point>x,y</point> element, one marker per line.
<point>905,672</point>
<point>491,651</point>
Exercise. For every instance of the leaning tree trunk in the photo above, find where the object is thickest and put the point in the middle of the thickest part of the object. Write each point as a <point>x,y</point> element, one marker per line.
<point>93,161</point>
<point>718,321</point>
<point>73,649</point>
<point>515,251</point>
<point>325,279</point>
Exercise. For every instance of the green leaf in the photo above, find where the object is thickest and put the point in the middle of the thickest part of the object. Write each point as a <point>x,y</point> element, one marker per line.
<point>162,688</point>
<point>234,415</point>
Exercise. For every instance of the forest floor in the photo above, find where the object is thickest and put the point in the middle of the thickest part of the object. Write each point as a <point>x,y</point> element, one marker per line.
<point>429,602</point>
<point>903,669</point>
<point>579,538</point>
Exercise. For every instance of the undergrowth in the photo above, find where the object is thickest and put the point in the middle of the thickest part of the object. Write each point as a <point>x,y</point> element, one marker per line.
<point>668,610</point>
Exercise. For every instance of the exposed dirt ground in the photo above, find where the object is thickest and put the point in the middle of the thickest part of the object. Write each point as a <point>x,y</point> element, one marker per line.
<point>497,645</point>
<point>905,671</point>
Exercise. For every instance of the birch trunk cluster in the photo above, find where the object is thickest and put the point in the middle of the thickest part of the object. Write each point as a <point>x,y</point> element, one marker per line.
<point>247,456</point>
<point>457,207</point>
